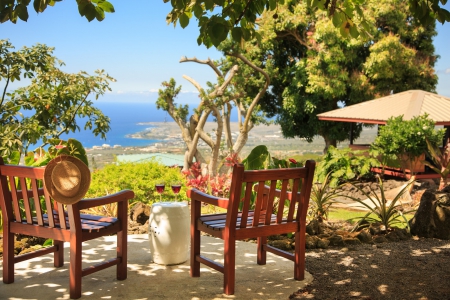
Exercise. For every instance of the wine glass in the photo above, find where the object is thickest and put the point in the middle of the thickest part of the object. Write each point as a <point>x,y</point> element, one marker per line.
<point>176,187</point>
<point>160,189</point>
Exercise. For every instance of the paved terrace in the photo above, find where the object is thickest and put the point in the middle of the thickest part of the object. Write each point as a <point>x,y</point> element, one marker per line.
<point>38,279</point>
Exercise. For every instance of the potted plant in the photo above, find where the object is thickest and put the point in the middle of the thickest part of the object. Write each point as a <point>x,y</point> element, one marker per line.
<point>407,141</point>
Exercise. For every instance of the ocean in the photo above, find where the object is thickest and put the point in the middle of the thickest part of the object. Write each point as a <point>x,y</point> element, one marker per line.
<point>126,119</point>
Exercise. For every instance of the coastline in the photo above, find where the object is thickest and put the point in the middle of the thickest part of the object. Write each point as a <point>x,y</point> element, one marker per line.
<point>165,137</point>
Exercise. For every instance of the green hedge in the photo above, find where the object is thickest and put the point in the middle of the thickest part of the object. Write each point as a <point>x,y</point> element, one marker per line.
<point>138,177</point>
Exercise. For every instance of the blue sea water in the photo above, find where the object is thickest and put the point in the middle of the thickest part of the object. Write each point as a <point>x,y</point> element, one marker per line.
<point>126,119</point>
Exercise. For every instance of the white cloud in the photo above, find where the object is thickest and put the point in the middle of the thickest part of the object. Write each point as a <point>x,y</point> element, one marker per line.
<point>447,71</point>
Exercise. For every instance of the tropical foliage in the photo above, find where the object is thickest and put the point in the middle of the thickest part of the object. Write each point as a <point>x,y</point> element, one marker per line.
<point>51,104</point>
<point>343,165</point>
<point>14,10</point>
<point>407,139</point>
<point>239,18</point>
<point>322,197</point>
<point>139,177</point>
<point>441,161</point>
<point>381,209</point>
<point>315,70</point>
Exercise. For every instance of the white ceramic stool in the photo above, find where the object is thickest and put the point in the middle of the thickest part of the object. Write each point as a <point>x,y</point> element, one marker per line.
<point>168,232</point>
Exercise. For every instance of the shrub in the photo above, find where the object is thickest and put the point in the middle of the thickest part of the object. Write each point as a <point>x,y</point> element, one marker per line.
<point>345,165</point>
<point>441,160</point>
<point>139,177</point>
<point>322,197</point>
<point>380,209</point>
<point>407,138</point>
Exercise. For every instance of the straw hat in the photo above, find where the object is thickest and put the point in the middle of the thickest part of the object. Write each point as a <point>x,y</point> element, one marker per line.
<point>67,179</point>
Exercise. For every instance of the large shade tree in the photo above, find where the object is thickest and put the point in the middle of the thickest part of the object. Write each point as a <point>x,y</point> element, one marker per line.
<point>52,104</point>
<point>318,70</point>
<point>217,19</point>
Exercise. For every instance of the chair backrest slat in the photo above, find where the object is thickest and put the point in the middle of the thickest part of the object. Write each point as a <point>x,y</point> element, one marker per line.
<point>26,200</point>
<point>49,206</point>
<point>37,202</point>
<point>258,204</point>
<point>294,200</point>
<point>61,215</point>
<point>282,201</point>
<point>15,199</point>
<point>270,198</point>
<point>246,205</point>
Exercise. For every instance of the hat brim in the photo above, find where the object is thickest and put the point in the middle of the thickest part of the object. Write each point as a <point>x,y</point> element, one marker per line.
<point>85,180</point>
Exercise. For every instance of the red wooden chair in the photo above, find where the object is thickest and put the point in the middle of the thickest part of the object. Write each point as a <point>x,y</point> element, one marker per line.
<point>31,211</point>
<point>267,218</point>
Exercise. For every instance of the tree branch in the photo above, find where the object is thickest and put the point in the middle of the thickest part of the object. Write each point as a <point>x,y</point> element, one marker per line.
<point>208,62</point>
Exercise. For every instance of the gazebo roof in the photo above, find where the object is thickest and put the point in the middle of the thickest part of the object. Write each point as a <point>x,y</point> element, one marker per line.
<point>409,104</point>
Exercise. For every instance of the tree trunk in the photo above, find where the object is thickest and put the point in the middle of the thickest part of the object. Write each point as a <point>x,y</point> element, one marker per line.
<point>328,142</point>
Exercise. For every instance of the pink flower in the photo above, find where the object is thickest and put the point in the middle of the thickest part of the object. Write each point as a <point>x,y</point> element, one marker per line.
<point>60,145</point>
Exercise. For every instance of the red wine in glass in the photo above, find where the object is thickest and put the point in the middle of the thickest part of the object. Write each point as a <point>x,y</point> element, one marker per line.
<point>160,189</point>
<point>176,187</point>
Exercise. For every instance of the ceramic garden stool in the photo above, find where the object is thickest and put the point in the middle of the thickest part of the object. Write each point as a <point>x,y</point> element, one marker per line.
<point>168,232</point>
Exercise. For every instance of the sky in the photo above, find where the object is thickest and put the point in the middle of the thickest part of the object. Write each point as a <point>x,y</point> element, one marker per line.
<point>137,47</point>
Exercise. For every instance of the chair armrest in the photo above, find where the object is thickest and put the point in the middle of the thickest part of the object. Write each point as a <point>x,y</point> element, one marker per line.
<point>124,195</point>
<point>197,195</point>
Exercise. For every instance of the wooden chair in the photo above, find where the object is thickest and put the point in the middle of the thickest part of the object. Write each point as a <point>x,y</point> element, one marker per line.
<point>31,211</point>
<point>268,217</point>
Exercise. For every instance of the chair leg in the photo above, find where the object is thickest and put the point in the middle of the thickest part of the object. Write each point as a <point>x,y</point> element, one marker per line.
<point>195,239</point>
<point>75,268</point>
<point>58,256</point>
<point>229,266</point>
<point>262,253</point>
<point>122,254</point>
<point>299,259</point>
<point>8,256</point>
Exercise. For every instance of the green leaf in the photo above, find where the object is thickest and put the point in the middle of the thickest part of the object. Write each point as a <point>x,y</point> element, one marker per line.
<point>90,12</point>
<point>198,11</point>
<point>40,5</point>
<point>100,14</point>
<point>22,12</point>
<point>184,20</point>
<point>218,33</point>
<point>259,158</point>
<point>106,6</point>
<point>272,4</point>
<point>337,19</point>
<point>354,32</point>
<point>236,33</point>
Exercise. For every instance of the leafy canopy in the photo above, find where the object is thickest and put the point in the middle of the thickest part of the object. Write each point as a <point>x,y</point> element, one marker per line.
<point>239,18</point>
<point>13,10</point>
<point>51,104</point>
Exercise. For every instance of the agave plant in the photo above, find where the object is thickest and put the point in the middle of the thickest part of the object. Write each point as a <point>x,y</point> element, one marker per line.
<point>380,208</point>
<point>322,197</point>
<point>441,160</point>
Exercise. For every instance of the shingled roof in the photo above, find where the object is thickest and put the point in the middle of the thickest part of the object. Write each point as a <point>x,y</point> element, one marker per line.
<point>409,104</point>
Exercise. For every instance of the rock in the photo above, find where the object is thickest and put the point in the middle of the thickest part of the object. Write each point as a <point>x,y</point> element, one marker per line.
<point>380,239</point>
<point>364,236</point>
<point>323,243</point>
<point>351,241</point>
<point>392,236</point>
<point>140,213</point>
<point>377,228</point>
<point>311,242</point>
<point>336,240</point>
<point>313,227</point>
<point>432,218</point>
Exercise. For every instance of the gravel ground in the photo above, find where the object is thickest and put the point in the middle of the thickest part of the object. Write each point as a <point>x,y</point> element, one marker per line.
<point>418,268</point>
